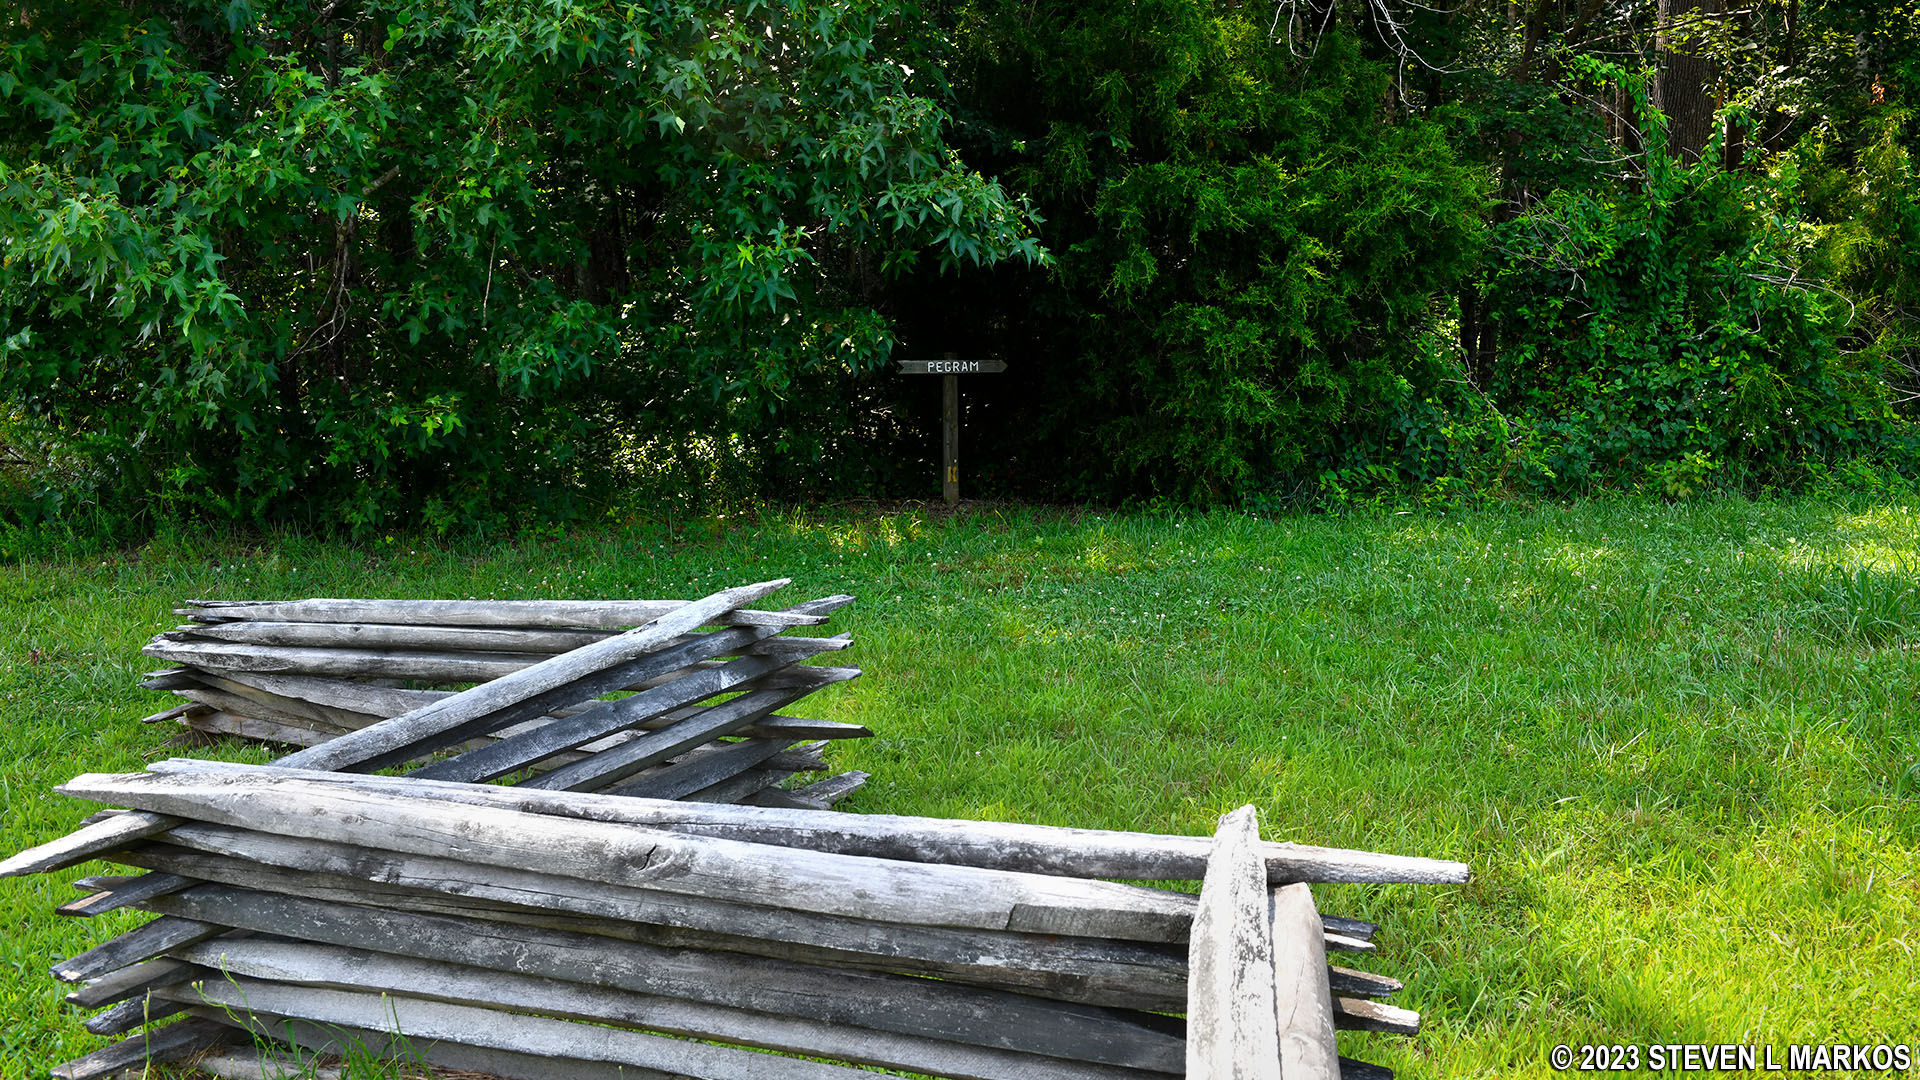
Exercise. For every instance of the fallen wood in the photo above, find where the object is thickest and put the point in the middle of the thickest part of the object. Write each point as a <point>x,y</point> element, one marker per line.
<point>607,717</point>
<point>1354,1014</point>
<point>855,886</point>
<point>427,1022</point>
<point>590,614</point>
<point>173,1042</point>
<point>1302,997</point>
<point>249,1063</point>
<point>247,727</point>
<point>739,787</point>
<point>362,635</point>
<point>834,788</point>
<point>454,667</point>
<point>132,1013</point>
<point>1350,983</point>
<point>125,983</point>
<point>343,1040</point>
<point>234,695</point>
<point>139,889</point>
<point>523,694</point>
<point>142,943</point>
<point>680,778</point>
<point>1088,970</point>
<point>1089,853</point>
<point>1230,990</point>
<point>107,834</point>
<point>832,1019</point>
<point>411,661</point>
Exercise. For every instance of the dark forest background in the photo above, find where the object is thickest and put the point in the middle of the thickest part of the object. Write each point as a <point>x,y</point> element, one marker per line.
<point>366,264</point>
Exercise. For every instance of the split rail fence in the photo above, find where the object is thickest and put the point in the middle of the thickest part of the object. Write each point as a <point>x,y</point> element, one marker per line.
<point>306,672</point>
<point>542,930</point>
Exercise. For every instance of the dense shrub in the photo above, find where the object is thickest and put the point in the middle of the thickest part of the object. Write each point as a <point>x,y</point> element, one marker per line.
<point>380,260</point>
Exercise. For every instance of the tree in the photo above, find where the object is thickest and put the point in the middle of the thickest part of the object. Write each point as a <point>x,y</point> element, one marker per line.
<point>365,260</point>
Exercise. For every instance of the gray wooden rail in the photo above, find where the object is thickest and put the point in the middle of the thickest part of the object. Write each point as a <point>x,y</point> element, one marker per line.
<point>316,675</point>
<point>545,934</point>
<point>587,927</point>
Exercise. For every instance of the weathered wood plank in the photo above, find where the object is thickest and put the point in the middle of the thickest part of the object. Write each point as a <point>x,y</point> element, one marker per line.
<point>696,771</point>
<point>738,788</point>
<point>1303,1000</point>
<point>168,679</point>
<point>1343,943</point>
<point>1092,853</point>
<point>427,1022</point>
<point>349,663</point>
<point>144,887</point>
<point>303,964</point>
<point>605,718</point>
<point>86,842</point>
<point>447,721</point>
<point>431,665</point>
<point>247,727</point>
<point>173,1042</point>
<point>141,943</point>
<point>94,883</point>
<point>128,981</point>
<point>346,702</point>
<point>343,694</point>
<point>250,1063</point>
<point>1354,928</point>
<point>778,797</point>
<point>1351,983</point>
<point>1230,992</point>
<point>233,695</point>
<point>359,635</point>
<point>1355,1014</point>
<point>833,788</point>
<point>165,715</point>
<point>132,1013</point>
<point>1086,970</point>
<point>856,886</point>
<point>561,614</point>
<point>341,1039</point>
<point>868,999</point>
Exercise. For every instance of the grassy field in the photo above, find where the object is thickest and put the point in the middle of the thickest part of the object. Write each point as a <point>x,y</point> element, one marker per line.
<point>1676,743</point>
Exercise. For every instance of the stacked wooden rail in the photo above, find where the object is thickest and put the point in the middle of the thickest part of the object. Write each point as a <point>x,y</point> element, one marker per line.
<point>306,672</point>
<point>546,934</point>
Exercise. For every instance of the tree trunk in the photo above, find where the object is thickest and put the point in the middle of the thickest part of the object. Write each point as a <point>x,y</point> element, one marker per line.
<point>1680,91</point>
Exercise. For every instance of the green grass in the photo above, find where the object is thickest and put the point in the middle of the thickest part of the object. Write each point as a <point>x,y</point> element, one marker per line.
<point>1676,743</point>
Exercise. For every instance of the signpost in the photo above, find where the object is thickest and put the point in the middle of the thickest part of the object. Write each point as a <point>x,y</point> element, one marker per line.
<point>950,367</point>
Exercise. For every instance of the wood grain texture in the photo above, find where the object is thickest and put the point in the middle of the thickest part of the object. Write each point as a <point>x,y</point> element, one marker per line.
<point>173,1042</point>
<point>1303,1001</point>
<point>535,990</point>
<point>1230,993</point>
<point>1086,970</point>
<point>1044,849</point>
<point>128,981</point>
<point>448,716</point>
<point>141,943</point>
<point>425,1022</point>
<point>854,886</point>
<point>144,887</point>
<point>590,614</point>
<point>86,842</point>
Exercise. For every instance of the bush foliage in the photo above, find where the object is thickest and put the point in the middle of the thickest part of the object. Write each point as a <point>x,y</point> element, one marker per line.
<point>361,262</point>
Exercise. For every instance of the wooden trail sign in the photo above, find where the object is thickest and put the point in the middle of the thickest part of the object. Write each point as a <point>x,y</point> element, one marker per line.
<point>950,366</point>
